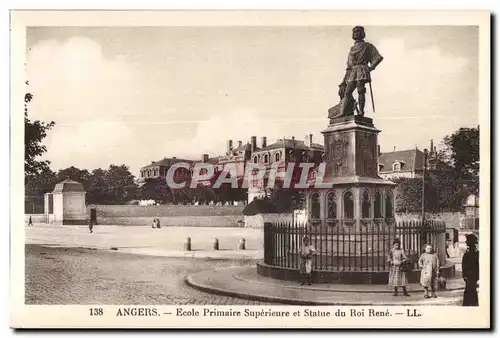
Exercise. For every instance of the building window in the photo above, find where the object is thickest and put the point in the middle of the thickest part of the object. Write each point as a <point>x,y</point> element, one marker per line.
<point>277,157</point>
<point>315,206</point>
<point>389,212</point>
<point>255,159</point>
<point>332,205</point>
<point>142,173</point>
<point>396,166</point>
<point>366,204</point>
<point>266,158</point>
<point>348,205</point>
<point>378,204</point>
<point>380,167</point>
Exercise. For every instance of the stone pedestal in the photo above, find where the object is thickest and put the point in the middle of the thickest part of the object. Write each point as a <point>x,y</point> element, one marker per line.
<point>351,147</point>
<point>69,203</point>
<point>356,195</point>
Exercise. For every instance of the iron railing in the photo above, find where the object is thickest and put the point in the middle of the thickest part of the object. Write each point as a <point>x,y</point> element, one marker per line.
<point>342,246</point>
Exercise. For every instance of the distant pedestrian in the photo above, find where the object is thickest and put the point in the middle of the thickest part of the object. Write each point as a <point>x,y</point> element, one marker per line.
<point>429,263</point>
<point>154,223</point>
<point>158,223</point>
<point>447,246</point>
<point>455,239</point>
<point>470,271</point>
<point>307,252</point>
<point>91,226</point>
<point>30,222</point>
<point>397,276</point>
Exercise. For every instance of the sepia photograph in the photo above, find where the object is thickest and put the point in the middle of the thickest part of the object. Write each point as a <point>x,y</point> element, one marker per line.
<point>253,169</point>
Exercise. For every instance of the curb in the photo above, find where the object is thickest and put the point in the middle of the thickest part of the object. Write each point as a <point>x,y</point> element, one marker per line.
<point>290,301</point>
<point>242,279</point>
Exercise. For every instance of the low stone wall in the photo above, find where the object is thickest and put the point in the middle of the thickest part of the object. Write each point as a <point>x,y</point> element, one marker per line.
<point>105,211</point>
<point>187,221</point>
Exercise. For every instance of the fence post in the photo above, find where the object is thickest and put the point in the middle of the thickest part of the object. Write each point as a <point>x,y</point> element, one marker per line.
<point>268,243</point>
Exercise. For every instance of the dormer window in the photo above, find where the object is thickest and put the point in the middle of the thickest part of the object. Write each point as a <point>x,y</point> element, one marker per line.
<point>277,157</point>
<point>396,166</point>
<point>255,159</point>
<point>266,158</point>
<point>380,167</point>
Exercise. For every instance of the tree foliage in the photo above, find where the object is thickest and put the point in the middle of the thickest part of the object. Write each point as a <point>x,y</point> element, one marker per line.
<point>462,151</point>
<point>34,133</point>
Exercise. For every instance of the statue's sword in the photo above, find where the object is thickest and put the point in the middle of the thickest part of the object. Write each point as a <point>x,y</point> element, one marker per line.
<point>371,95</point>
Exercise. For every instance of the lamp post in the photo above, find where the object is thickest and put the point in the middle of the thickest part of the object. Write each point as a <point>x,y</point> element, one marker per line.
<point>424,239</point>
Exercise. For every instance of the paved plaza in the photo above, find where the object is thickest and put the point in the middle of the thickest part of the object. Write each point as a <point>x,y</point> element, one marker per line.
<point>141,265</point>
<point>166,241</point>
<point>86,276</point>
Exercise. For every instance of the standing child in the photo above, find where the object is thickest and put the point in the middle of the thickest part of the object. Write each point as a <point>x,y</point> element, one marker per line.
<point>429,263</point>
<point>306,254</point>
<point>397,276</point>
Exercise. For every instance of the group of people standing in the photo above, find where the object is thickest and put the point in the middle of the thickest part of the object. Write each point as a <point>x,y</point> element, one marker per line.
<point>156,223</point>
<point>400,264</point>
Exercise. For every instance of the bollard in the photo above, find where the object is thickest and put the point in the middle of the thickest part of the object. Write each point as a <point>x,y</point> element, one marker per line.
<point>187,245</point>
<point>242,244</point>
<point>216,244</point>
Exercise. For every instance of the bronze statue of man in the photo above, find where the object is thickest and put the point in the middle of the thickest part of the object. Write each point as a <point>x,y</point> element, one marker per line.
<point>363,58</point>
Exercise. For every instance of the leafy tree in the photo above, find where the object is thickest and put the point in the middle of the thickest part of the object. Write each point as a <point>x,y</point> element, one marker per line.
<point>96,188</point>
<point>120,184</point>
<point>408,195</point>
<point>155,189</point>
<point>80,175</point>
<point>43,182</point>
<point>462,154</point>
<point>34,133</point>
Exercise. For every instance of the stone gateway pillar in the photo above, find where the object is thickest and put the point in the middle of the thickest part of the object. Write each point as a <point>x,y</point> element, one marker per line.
<point>69,203</point>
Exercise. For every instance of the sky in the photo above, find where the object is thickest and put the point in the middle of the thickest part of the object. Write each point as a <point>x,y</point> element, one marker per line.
<point>137,94</point>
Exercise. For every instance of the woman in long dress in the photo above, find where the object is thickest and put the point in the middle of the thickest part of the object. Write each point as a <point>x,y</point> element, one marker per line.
<point>429,263</point>
<point>397,277</point>
<point>307,252</point>
<point>470,271</point>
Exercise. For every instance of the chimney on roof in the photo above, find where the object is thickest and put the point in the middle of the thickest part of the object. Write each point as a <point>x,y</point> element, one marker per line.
<point>308,140</point>
<point>264,141</point>
<point>293,138</point>
<point>432,145</point>
<point>204,158</point>
<point>253,143</point>
<point>239,144</point>
<point>229,145</point>
<point>394,148</point>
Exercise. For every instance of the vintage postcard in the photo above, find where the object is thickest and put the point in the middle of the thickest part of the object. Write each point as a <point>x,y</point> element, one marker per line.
<point>250,169</point>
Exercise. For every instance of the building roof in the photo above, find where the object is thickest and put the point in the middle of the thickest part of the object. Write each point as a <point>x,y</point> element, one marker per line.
<point>166,162</point>
<point>292,144</point>
<point>211,160</point>
<point>68,186</point>
<point>413,159</point>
